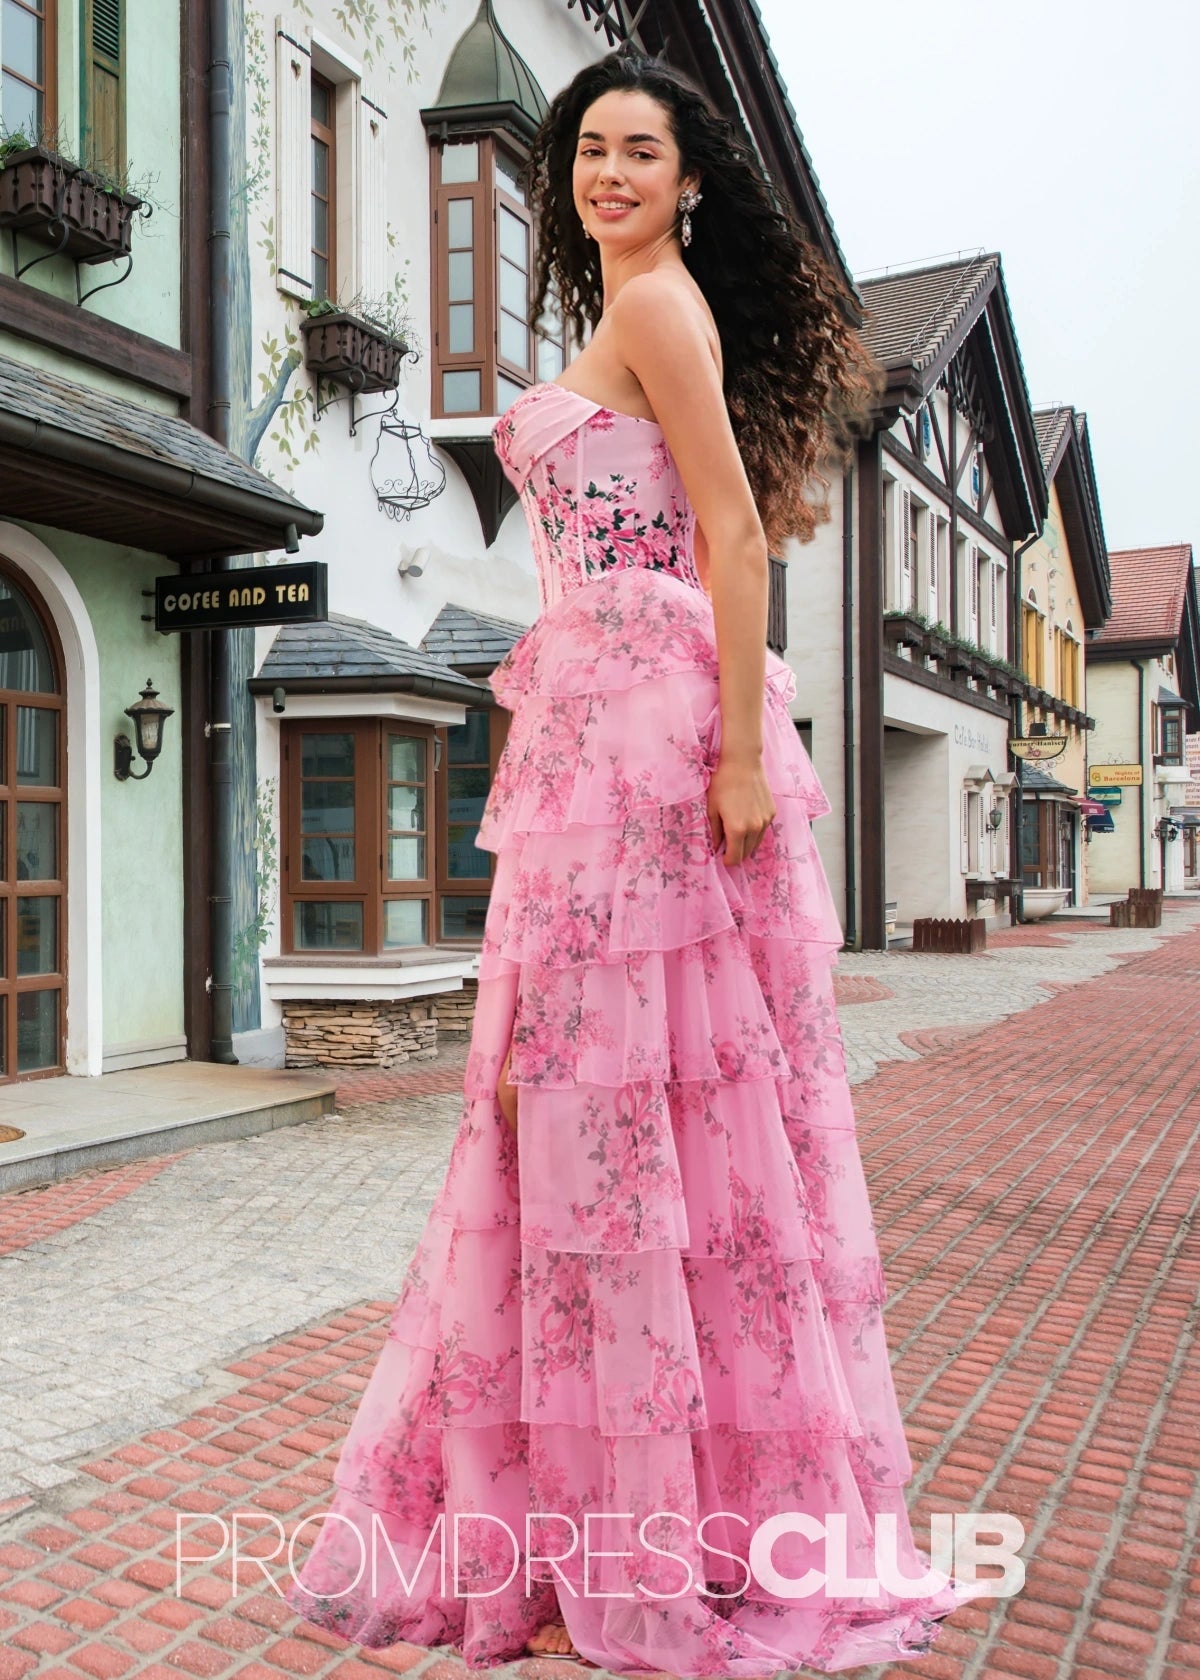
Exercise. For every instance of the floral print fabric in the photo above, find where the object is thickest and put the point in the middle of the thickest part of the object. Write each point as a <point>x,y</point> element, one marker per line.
<point>656,1308</point>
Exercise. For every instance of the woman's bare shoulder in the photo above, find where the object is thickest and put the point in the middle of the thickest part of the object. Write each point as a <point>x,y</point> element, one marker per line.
<point>664,301</point>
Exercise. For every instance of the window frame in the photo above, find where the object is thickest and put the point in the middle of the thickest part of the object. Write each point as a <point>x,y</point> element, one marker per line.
<point>47,89</point>
<point>371,886</point>
<point>490,198</point>
<point>327,136</point>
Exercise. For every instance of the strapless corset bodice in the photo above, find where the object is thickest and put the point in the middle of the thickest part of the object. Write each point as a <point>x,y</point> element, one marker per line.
<point>600,489</point>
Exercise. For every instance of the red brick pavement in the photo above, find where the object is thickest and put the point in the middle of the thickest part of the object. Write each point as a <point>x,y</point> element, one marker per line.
<point>1035,1192</point>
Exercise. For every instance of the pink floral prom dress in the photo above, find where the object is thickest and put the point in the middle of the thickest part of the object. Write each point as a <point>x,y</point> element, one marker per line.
<point>652,1316</point>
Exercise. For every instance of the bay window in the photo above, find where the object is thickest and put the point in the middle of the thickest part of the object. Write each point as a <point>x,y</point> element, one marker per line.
<point>380,821</point>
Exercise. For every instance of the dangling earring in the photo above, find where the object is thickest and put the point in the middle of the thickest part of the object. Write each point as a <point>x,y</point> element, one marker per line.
<point>584,226</point>
<point>688,200</point>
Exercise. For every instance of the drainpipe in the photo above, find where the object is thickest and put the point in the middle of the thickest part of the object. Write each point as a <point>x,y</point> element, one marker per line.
<point>220,90</point>
<point>1017,642</point>
<point>850,843</point>
<point>1141,671</point>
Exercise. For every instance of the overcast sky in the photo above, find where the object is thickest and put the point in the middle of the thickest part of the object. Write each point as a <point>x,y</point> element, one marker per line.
<point>1063,134</point>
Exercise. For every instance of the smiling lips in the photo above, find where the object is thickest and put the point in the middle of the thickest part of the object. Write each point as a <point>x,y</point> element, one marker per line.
<point>613,206</point>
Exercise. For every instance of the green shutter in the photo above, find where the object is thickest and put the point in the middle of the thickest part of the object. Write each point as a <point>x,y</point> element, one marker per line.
<point>104,94</point>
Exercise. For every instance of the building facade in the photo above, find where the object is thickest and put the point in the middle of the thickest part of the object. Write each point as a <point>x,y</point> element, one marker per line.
<point>1064,595</point>
<point>108,480</point>
<point>386,210</point>
<point>1144,689</point>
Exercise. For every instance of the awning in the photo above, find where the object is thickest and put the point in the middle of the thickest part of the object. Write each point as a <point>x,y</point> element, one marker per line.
<point>1091,807</point>
<point>1101,822</point>
<point>84,460</point>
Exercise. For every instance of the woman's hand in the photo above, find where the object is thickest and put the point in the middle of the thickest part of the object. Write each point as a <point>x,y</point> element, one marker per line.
<point>740,807</point>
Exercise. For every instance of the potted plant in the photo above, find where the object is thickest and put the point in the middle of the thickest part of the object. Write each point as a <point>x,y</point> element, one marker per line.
<point>360,345</point>
<point>78,212</point>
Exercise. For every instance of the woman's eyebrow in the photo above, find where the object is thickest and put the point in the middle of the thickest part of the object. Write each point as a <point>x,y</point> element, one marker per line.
<point>630,139</point>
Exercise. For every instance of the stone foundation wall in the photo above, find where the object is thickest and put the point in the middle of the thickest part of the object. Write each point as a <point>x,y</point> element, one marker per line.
<point>383,1034</point>
<point>455,1011</point>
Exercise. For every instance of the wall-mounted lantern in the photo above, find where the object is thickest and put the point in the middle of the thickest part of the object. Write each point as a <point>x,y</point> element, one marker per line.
<point>995,817</point>
<point>149,715</point>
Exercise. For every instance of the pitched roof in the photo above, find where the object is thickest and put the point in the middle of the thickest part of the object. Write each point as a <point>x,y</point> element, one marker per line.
<point>1066,453</point>
<point>1149,588</point>
<point>1052,425</point>
<point>350,654</point>
<point>928,322</point>
<point>196,495</point>
<point>470,641</point>
<point>913,314</point>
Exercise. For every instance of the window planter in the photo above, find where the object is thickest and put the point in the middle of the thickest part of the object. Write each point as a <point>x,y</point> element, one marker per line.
<point>349,351</point>
<point>903,631</point>
<point>64,206</point>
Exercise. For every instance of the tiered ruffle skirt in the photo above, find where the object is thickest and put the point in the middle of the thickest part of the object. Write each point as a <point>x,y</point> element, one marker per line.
<point>650,1321</point>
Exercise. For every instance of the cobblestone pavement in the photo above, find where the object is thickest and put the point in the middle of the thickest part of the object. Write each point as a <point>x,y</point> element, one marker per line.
<point>191,1334</point>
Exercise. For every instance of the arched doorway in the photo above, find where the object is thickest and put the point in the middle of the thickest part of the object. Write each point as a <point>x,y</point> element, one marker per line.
<point>32,838</point>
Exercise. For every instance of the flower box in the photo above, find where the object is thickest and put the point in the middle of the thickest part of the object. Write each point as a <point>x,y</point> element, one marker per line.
<point>350,351</point>
<point>904,631</point>
<point>63,205</point>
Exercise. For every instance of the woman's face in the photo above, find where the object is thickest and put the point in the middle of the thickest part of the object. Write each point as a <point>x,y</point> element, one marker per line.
<point>626,176</point>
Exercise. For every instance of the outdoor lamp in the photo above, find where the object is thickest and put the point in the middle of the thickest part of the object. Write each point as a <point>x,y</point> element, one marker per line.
<point>149,715</point>
<point>995,816</point>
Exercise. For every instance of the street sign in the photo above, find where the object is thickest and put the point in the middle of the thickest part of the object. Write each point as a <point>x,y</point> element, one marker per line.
<point>1034,747</point>
<point>1114,775</point>
<point>1105,795</point>
<point>296,594</point>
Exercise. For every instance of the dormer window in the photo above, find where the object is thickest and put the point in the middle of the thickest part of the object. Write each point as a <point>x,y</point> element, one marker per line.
<point>487,347</point>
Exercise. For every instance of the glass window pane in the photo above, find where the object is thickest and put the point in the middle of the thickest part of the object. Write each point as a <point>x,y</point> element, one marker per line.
<point>461,276</point>
<point>37,747</point>
<point>514,238</point>
<point>508,390</point>
<point>320,276</point>
<point>549,359</point>
<point>322,103</point>
<point>405,922</point>
<point>466,793</point>
<point>514,289</point>
<point>325,857</point>
<point>320,225</point>
<point>461,392</point>
<point>37,1030</point>
<point>37,841</point>
<point>464,860</point>
<point>327,755</point>
<point>460,161</point>
<point>3,959</point>
<point>406,759</point>
<point>320,161</point>
<point>467,743</point>
<point>514,339</point>
<point>21,105</point>
<point>406,808</point>
<point>328,927</point>
<point>406,857</point>
<point>37,936</point>
<point>25,661</point>
<point>508,178</point>
<point>21,34</point>
<point>327,807</point>
<point>463,918</point>
<point>462,329</point>
<point>460,223</point>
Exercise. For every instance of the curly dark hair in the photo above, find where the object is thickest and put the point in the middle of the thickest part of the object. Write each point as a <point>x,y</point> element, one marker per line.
<point>796,375</point>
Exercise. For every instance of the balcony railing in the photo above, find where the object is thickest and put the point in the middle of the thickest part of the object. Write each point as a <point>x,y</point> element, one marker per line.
<point>960,660</point>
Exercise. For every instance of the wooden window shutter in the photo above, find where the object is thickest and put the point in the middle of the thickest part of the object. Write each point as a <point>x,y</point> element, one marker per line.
<point>906,554</point>
<point>104,25</point>
<point>934,610</point>
<point>964,827</point>
<point>973,561</point>
<point>375,275</point>
<point>293,157</point>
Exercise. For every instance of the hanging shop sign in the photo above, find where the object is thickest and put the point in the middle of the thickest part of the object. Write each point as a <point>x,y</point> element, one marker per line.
<point>1105,795</point>
<point>296,594</point>
<point>1114,775</point>
<point>1034,747</point>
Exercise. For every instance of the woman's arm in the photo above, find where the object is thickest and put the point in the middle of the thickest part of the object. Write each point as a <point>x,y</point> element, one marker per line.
<point>659,332</point>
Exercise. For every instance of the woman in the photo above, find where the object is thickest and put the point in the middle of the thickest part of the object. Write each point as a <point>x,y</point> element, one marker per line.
<point>644,1317</point>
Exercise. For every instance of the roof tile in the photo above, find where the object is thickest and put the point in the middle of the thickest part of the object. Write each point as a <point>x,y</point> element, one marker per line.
<point>1149,594</point>
<point>911,314</point>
